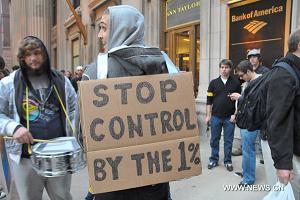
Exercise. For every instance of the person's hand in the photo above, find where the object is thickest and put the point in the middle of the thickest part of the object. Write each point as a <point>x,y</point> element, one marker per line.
<point>232,118</point>
<point>22,135</point>
<point>234,96</point>
<point>207,120</point>
<point>284,175</point>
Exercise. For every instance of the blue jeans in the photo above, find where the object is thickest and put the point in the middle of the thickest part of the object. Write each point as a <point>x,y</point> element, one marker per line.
<point>249,155</point>
<point>216,128</point>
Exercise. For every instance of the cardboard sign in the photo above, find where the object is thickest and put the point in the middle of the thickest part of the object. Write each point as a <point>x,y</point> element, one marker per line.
<point>139,130</point>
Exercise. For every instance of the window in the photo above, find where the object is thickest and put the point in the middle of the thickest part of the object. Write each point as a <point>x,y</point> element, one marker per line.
<point>54,12</point>
<point>197,54</point>
<point>75,53</point>
<point>76,3</point>
<point>5,25</point>
<point>182,50</point>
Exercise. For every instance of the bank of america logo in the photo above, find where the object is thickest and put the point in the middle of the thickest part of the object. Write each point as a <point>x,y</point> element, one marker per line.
<point>255,26</point>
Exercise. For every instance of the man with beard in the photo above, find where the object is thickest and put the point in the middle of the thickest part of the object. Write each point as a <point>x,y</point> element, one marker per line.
<point>125,55</point>
<point>30,108</point>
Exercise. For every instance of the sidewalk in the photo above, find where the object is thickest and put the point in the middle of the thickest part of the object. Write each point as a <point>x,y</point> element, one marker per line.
<point>208,186</point>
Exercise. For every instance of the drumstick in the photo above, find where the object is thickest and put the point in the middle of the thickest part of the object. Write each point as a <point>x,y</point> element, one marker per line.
<point>35,140</point>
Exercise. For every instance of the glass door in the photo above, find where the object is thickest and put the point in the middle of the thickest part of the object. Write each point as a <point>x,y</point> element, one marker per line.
<point>182,50</point>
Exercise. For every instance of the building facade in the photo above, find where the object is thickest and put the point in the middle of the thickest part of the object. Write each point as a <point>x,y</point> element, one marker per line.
<point>4,32</point>
<point>194,44</point>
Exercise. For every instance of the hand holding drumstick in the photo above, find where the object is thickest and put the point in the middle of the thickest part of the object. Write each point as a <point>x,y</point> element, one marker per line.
<point>22,135</point>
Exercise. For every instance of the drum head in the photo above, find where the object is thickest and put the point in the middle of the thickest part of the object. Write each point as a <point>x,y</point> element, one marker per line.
<point>59,145</point>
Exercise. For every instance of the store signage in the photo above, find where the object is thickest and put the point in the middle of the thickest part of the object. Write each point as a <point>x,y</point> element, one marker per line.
<point>261,25</point>
<point>181,12</point>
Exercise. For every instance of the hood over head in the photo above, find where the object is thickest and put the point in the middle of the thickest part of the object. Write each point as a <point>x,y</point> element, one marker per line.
<point>31,43</point>
<point>126,26</point>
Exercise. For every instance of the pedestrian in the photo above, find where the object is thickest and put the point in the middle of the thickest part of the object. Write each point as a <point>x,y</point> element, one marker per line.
<point>255,58</point>
<point>30,109</point>
<point>2,63</point>
<point>68,74</point>
<point>220,111</point>
<point>15,67</point>
<point>78,77</point>
<point>246,72</point>
<point>3,71</point>
<point>126,55</point>
<point>283,117</point>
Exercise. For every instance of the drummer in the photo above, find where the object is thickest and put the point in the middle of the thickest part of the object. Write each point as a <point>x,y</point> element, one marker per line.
<point>30,107</point>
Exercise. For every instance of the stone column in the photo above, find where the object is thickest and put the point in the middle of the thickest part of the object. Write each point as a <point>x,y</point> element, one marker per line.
<point>17,26</point>
<point>30,17</point>
<point>213,20</point>
<point>152,15</point>
<point>39,20</point>
<point>63,53</point>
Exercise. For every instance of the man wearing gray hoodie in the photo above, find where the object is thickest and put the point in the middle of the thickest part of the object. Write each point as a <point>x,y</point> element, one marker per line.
<point>122,36</point>
<point>30,109</point>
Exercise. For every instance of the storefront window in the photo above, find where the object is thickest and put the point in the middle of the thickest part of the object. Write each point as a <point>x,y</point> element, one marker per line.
<point>75,53</point>
<point>182,43</point>
<point>197,52</point>
<point>54,12</point>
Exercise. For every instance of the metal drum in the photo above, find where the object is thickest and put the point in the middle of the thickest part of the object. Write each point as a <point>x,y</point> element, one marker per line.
<point>59,157</point>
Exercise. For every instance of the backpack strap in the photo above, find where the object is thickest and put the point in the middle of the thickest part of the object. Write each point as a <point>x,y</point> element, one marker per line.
<point>290,70</point>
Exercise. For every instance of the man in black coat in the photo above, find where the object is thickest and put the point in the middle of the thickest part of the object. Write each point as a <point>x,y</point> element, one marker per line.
<point>283,117</point>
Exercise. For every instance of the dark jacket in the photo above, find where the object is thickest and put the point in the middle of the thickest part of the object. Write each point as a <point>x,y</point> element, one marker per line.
<point>217,96</point>
<point>283,114</point>
<point>261,69</point>
<point>122,63</point>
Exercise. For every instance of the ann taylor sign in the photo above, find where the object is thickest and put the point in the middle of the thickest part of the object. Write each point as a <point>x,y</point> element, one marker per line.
<point>263,25</point>
<point>181,12</point>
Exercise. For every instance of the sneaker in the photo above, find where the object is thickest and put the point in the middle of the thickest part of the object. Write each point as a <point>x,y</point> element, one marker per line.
<point>262,162</point>
<point>244,184</point>
<point>212,165</point>
<point>2,195</point>
<point>229,167</point>
<point>240,174</point>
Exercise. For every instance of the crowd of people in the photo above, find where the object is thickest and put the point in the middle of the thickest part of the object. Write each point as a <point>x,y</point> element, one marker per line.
<point>42,104</point>
<point>279,137</point>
